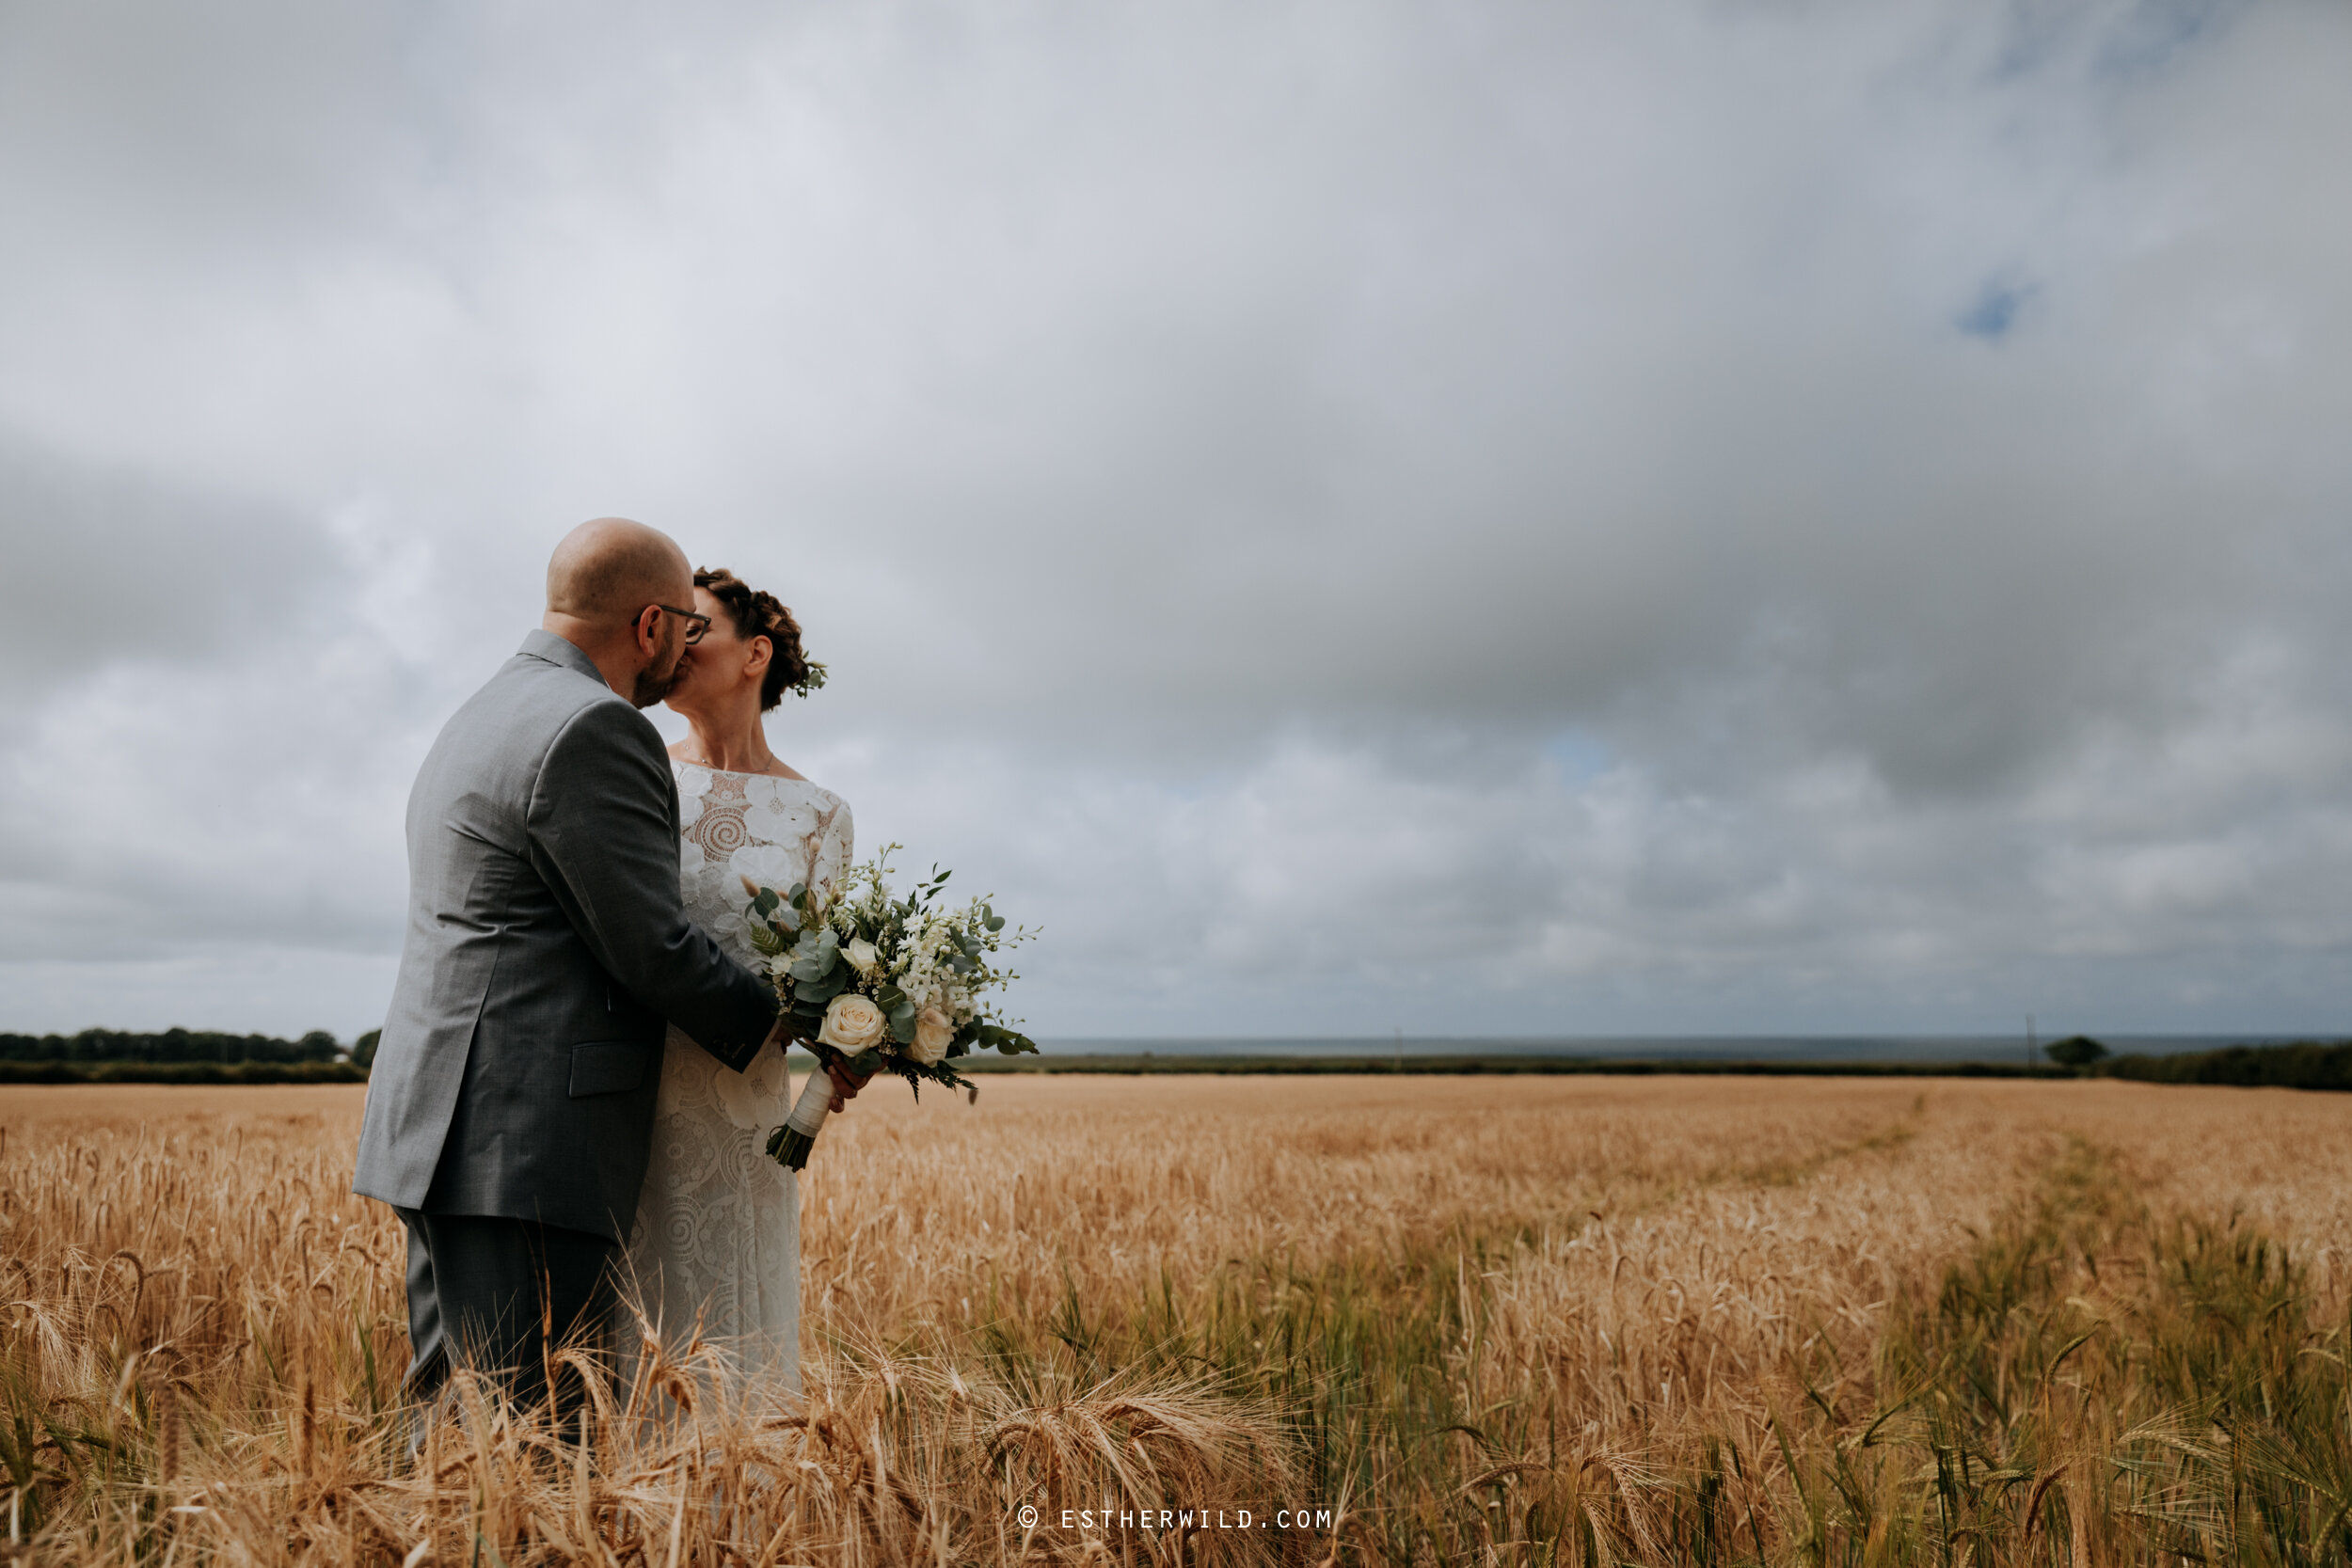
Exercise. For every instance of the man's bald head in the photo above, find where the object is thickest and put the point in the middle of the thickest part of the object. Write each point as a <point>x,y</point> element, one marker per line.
<point>609,568</point>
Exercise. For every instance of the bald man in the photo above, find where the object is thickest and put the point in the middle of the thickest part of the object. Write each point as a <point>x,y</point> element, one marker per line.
<point>510,1107</point>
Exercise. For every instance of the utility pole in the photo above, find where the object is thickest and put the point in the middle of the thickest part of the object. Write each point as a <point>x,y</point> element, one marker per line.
<point>1400,1048</point>
<point>2032,1045</point>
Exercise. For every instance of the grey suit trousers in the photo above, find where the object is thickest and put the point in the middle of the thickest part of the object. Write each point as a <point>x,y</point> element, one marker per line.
<point>501,1297</point>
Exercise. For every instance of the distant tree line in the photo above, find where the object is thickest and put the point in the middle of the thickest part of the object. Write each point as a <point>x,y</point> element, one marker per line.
<point>2306,1064</point>
<point>199,1055</point>
<point>181,1072</point>
<point>173,1045</point>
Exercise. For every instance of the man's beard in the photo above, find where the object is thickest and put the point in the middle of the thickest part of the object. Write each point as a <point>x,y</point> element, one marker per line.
<point>655,682</point>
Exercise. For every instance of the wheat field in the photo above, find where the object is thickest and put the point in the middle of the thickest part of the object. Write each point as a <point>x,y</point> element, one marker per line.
<point>1240,1319</point>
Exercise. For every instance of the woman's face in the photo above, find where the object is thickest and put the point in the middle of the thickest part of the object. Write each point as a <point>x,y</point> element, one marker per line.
<point>720,667</point>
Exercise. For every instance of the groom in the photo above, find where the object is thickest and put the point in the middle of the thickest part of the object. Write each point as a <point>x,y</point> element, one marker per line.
<point>510,1108</point>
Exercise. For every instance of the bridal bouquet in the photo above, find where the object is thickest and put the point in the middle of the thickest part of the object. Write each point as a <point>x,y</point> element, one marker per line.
<point>882,984</point>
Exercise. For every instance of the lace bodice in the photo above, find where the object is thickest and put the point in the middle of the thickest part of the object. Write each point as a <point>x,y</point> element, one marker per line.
<point>717,1238</point>
<point>777,831</point>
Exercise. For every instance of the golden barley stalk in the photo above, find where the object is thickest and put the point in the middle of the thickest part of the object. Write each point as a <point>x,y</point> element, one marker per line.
<point>1469,1316</point>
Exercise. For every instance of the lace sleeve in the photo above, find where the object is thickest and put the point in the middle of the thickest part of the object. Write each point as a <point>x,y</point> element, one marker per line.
<point>838,851</point>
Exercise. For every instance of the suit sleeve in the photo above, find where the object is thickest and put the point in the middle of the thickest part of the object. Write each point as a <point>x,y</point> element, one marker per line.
<point>603,834</point>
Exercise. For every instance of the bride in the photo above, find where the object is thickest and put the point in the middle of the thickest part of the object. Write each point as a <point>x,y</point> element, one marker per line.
<point>715,1251</point>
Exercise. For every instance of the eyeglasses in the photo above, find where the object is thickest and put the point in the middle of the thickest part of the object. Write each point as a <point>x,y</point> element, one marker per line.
<point>696,622</point>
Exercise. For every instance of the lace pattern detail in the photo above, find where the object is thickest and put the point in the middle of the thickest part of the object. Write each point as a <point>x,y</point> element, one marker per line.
<point>715,1249</point>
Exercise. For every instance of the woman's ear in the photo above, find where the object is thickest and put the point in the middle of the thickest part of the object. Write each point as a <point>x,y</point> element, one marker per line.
<point>756,653</point>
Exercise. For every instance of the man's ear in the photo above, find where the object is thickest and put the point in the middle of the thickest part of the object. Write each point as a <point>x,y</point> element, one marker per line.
<point>648,642</point>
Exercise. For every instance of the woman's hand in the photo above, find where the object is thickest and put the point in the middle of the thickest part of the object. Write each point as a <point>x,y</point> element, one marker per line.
<point>845,1083</point>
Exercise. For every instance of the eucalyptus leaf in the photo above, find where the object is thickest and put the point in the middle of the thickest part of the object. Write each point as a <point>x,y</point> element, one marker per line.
<point>815,955</point>
<point>1009,1043</point>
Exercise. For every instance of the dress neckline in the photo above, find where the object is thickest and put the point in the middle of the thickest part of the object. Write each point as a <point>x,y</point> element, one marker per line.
<point>739,773</point>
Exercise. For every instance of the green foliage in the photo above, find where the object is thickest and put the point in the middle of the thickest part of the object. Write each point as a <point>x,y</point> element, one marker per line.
<point>2306,1064</point>
<point>171,1045</point>
<point>183,1073</point>
<point>1005,1042</point>
<point>2074,1051</point>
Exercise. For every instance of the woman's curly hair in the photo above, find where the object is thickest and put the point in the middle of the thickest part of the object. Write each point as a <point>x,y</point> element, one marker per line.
<point>761,614</point>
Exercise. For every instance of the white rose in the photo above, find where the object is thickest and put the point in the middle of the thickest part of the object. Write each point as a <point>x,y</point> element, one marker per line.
<point>853,1023</point>
<point>934,1031</point>
<point>862,955</point>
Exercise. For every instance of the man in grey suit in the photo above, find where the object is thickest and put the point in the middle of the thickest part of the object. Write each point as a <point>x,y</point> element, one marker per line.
<point>510,1106</point>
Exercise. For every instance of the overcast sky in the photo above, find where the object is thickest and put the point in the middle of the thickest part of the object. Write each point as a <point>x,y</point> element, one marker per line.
<point>1493,518</point>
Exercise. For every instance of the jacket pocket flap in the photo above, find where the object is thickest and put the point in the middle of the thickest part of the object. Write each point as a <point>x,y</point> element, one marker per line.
<point>607,1067</point>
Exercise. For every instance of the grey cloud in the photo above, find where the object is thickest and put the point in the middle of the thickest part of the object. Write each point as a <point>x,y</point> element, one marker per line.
<point>111,564</point>
<point>1567,495</point>
<point>1221,452</point>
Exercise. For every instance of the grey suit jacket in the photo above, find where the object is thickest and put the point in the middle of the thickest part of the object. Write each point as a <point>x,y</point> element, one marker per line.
<point>546,948</point>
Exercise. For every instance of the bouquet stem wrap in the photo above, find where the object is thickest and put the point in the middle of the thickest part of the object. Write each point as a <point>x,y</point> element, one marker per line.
<point>797,1134</point>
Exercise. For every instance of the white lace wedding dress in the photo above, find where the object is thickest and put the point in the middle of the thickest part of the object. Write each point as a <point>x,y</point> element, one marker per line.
<point>716,1249</point>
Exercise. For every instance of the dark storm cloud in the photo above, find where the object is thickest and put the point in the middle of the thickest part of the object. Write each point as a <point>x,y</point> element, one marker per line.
<point>1722,516</point>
